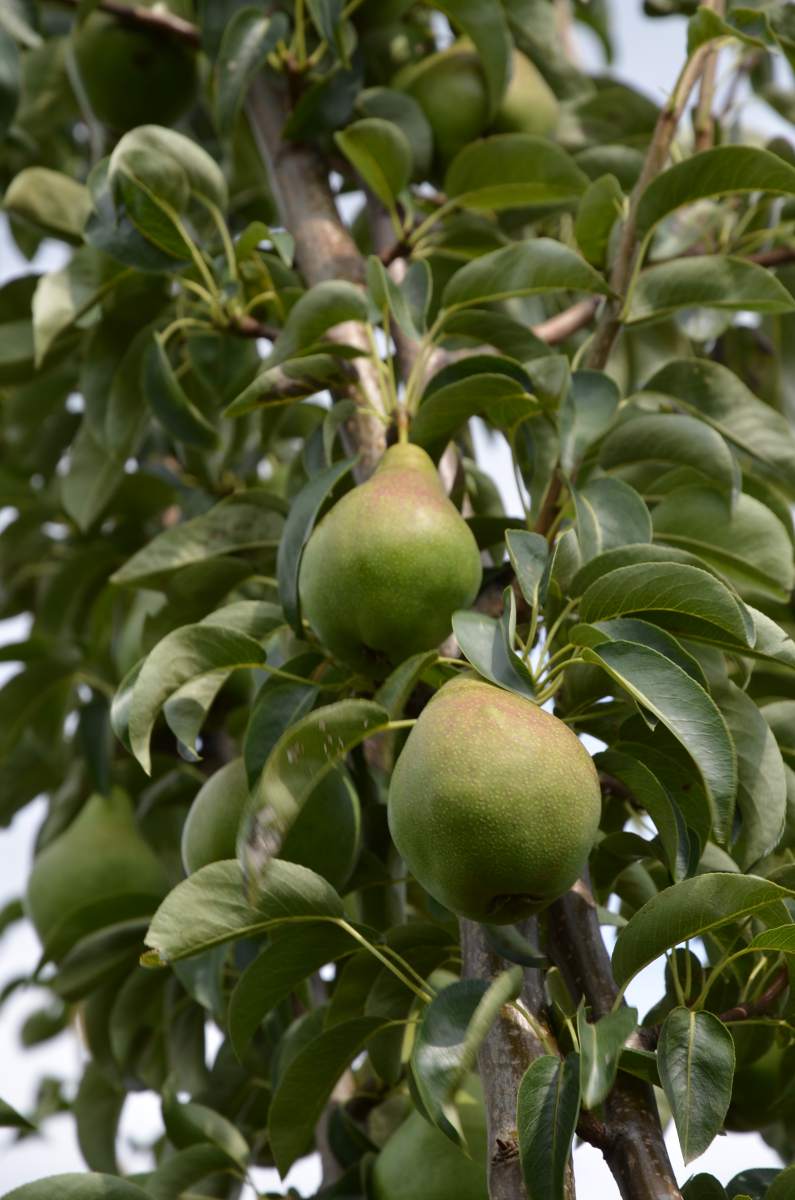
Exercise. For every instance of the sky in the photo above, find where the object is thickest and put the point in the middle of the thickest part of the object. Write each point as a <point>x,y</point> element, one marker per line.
<point>649,55</point>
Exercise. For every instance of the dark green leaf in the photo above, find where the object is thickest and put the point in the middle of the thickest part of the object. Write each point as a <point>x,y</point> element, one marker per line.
<point>327,304</point>
<point>78,1187</point>
<point>511,170</point>
<point>521,269</point>
<point>483,22</point>
<point>650,793</point>
<point>695,1056</point>
<point>488,644</point>
<point>674,440</point>
<point>529,555</point>
<point>546,1116</point>
<point>11,1119</point>
<point>49,200</point>
<point>600,1049</point>
<point>171,404</point>
<point>599,209</point>
<point>712,281</point>
<point>762,786</point>
<point>609,514</point>
<point>380,152</point>
<point>587,411</point>
<point>246,43</point>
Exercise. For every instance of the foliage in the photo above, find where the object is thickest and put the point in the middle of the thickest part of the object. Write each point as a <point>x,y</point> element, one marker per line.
<point>207,373</point>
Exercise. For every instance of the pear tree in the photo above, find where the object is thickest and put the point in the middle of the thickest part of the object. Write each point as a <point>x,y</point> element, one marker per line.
<point>398,432</point>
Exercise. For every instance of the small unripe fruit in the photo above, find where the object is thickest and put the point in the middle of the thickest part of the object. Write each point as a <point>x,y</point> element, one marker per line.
<point>494,803</point>
<point>133,76</point>
<point>99,871</point>
<point>450,88</point>
<point>529,104</point>
<point>420,1163</point>
<point>387,567</point>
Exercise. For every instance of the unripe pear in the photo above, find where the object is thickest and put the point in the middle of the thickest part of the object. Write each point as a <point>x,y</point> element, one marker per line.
<point>529,104</point>
<point>450,88</point>
<point>133,76</point>
<point>494,803</point>
<point>387,567</point>
<point>420,1163</point>
<point>99,871</point>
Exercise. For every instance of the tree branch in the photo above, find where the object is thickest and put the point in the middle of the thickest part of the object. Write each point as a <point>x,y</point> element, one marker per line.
<point>147,18</point>
<point>634,1150</point>
<point>324,250</point>
<point>758,1008</point>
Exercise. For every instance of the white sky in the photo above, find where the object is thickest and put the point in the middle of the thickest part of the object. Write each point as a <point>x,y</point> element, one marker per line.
<point>649,55</point>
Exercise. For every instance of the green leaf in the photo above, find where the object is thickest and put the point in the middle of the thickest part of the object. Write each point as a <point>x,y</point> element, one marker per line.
<point>305,753</point>
<point>513,946</point>
<point>529,556</point>
<point>548,1107</point>
<point>504,399</point>
<point>749,545</point>
<point>170,403</point>
<point>279,703</point>
<point>247,41</point>
<point>599,209</point>
<point>394,692</point>
<point>401,301</point>
<point>453,1027</point>
<point>62,297</point>
<point>330,303</point>
<point>11,1119</point>
<point>674,440</point>
<point>706,25</point>
<point>690,909</point>
<point>488,644</point>
<point>304,1088</point>
<point>93,478</point>
<point>511,170</point>
<point>778,940</point>
<point>586,412</point>
<point>610,514</point>
<point>483,22</point>
<point>686,710</point>
<point>600,1049</point>
<point>84,1186</point>
<point>703,1187</point>
<point>244,521</point>
<point>168,165</point>
<point>722,171</point>
<point>210,908</point>
<point>404,111</point>
<point>97,1108</point>
<point>380,152</point>
<point>521,269</point>
<point>50,201</point>
<point>174,1177</point>
<point>674,594</point>
<point>277,971</point>
<point>709,280</point>
<point>181,656</point>
<point>327,18</point>
<point>695,1056</point>
<point>716,395</point>
<point>287,382</point>
<point>650,793</point>
<point>304,510</point>
<point>781,1187</point>
<point>10,80</point>
<point>762,784</point>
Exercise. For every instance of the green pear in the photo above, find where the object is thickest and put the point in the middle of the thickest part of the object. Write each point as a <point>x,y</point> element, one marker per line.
<point>494,803</point>
<point>420,1163</point>
<point>132,76</point>
<point>390,563</point>
<point>98,871</point>
<point>450,88</point>
<point>529,104</point>
<point>763,1091</point>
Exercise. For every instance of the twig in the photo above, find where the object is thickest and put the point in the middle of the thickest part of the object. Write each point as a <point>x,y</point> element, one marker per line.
<point>704,121</point>
<point>556,329</point>
<point>147,18</point>
<point>757,1008</point>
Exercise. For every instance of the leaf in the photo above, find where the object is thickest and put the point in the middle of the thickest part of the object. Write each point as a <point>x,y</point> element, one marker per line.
<point>330,303</point>
<point>716,395</point>
<point>599,209</point>
<point>181,656</point>
<point>750,545</point>
<point>84,1186</point>
<point>688,910</point>
<point>610,514</point>
<point>762,784</point>
<point>512,945</point>
<point>521,269</point>
<point>62,297</point>
<point>682,597</point>
<point>548,1106</point>
<point>501,397</point>
<point>304,510</point>
<point>702,1186</point>
<point>705,25</point>
<point>722,171</point>
<point>97,1108</point>
<point>781,1187</point>
<point>709,280</point>
<point>380,152</point>
<point>165,162</point>
<point>277,971</point>
<point>649,792</point>
<point>600,1049</point>
<point>247,41</point>
<point>529,556</point>
<point>404,111</point>
<point>483,22</point>
<point>93,478</point>
<point>695,1056</point>
<point>11,1119</point>
<point>10,80</point>
<point>675,440</point>
<point>394,692</point>
<point>307,1082</point>
<point>686,710</point>
<point>779,939</point>
<point>284,384</point>
<point>400,300</point>
<point>510,170</point>
<point>210,908</point>
<point>327,18</point>
<point>453,1027</point>
<point>279,703</point>
<point>586,412</point>
<point>173,1178</point>
<point>244,521</point>
<point>170,403</point>
<point>488,644</point>
<point>49,200</point>
<point>305,753</point>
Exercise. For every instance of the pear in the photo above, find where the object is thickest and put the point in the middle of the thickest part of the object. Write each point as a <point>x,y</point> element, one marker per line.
<point>97,872</point>
<point>132,76</point>
<point>420,1162</point>
<point>529,104</point>
<point>450,88</point>
<point>389,564</point>
<point>494,803</point>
